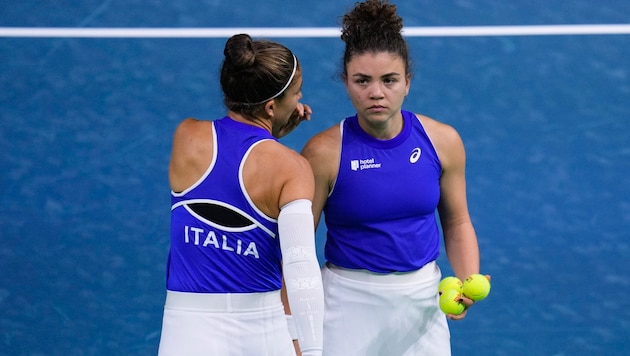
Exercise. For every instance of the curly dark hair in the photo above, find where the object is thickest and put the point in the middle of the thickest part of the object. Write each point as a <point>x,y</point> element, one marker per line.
<point>373,26</point>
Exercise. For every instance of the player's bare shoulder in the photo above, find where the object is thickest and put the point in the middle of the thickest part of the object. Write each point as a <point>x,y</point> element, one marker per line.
<point>191,135</point>
<point>326,144</point>
<point>284,152</point>
<point>439,131</point>
<point>191,153</point>
<point>445,139</point>
<point>280,160</point>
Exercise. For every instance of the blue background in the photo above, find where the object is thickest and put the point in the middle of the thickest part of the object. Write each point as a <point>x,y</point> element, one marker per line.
<point>85,134</point>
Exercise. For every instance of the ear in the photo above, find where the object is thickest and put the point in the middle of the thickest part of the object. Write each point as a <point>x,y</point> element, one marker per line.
<point>408,83</point>
<point>269,106</point>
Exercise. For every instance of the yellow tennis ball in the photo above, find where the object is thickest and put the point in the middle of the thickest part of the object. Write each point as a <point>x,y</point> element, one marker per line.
<point>450,283</point>
<point>476,287</point>
<point>450,302</point>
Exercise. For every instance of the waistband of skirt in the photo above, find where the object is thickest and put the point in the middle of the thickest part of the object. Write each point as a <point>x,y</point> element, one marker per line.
<point>222,302</point>
<point>425,273</point>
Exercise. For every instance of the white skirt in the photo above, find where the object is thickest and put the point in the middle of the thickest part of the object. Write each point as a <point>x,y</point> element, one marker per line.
<point>373,314</point>
<point>224,325</point>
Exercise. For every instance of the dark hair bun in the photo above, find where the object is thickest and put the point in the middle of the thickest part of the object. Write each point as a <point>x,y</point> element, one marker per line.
<point>239,51</point>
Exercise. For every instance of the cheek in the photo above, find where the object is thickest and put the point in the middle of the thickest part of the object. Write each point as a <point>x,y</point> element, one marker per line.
<point>287,107</point>
<point>291,108</point>
<point>353,93</point>
<point>292,103</point>
<point>288,110</point>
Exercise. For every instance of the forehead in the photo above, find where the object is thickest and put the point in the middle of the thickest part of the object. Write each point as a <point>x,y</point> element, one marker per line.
<point>297,79</point>
<point>374,63</point>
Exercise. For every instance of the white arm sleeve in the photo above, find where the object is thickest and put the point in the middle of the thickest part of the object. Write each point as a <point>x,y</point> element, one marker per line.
<point>302,274</point>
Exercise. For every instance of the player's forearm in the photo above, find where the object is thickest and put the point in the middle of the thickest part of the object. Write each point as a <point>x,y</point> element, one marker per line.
<point>302,274</point>
<point>462,250</point>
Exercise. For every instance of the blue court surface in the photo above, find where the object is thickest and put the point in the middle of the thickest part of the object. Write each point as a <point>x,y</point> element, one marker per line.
<point>86,127</point>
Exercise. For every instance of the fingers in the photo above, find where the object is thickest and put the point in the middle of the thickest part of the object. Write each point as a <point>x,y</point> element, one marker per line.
<point>307,112</point>
<point>467,301</point>
<point>304,111</point>
<point>467,304</point>
<point>457,317</point>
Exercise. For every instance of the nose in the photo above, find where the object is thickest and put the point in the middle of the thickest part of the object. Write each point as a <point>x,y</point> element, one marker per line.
<point>376,91</point>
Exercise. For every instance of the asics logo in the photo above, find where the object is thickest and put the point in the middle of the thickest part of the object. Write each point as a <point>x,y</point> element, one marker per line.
<point>415,155</point>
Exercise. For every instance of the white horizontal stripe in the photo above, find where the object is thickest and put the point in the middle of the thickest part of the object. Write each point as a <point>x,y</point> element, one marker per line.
<point>285,32</point>
<point>540,30</point>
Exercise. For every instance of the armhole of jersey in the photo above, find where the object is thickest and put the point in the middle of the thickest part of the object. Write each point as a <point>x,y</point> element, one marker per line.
<point>430,140</point>
<point>340,149</point>
<point>215,151</point>
<point>241,182</point>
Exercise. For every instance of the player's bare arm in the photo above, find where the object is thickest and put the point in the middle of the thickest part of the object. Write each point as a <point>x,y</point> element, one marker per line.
<point>322,152</point>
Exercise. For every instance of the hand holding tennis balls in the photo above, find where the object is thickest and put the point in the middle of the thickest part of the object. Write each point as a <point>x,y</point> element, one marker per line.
<point>476,287</point>
<point>451,302</point>
<point>450,290</point>
<point>456,296</point>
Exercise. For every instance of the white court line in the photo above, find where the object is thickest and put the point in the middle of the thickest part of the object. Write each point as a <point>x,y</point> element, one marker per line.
<point>285,32</point>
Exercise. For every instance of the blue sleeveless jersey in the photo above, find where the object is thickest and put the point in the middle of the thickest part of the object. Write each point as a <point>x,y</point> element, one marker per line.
<point>220,242</point>
<point>381,213</point>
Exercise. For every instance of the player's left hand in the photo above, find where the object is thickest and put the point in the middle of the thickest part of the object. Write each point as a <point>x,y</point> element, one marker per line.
<point>467,303</point>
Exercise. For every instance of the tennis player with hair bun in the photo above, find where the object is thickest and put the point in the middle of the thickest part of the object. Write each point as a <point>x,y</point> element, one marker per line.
<point>380,176</point>
<point>241,218</point>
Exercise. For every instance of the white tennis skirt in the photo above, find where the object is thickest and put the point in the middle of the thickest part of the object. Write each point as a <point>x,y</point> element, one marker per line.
<point>373,314</point>
<point>224,325</point>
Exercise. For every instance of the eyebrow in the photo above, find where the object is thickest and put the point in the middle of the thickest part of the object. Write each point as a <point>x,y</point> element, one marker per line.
<point>391,74</point>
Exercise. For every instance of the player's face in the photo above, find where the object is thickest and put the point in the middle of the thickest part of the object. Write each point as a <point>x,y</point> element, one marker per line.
<point>285,107</point>
<point>377,84</point>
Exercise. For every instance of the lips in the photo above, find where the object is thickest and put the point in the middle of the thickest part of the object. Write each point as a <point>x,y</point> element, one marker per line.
<point>377,108</point>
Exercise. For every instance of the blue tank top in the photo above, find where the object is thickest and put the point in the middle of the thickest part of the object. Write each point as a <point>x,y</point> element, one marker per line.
<point>220,242</point>
<point>381,213</point>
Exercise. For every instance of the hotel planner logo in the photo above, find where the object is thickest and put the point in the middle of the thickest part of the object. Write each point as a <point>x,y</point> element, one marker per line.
<point>361,164</point>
